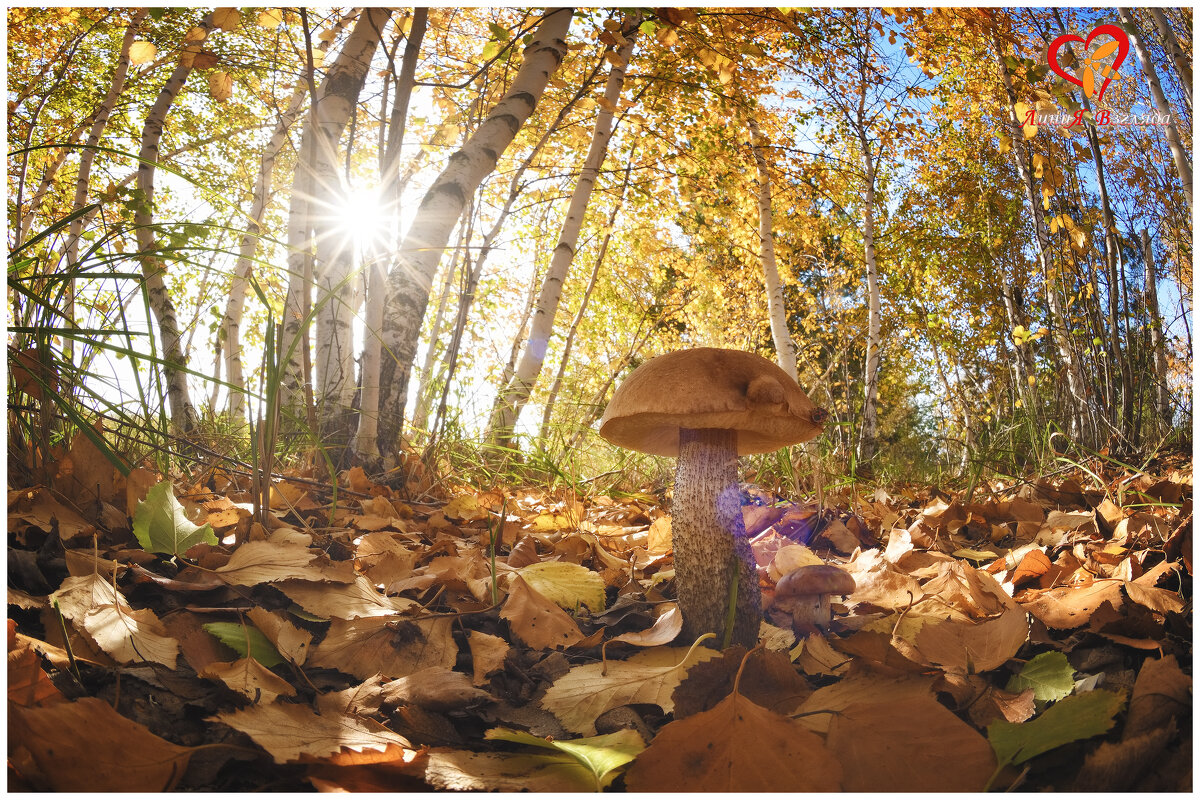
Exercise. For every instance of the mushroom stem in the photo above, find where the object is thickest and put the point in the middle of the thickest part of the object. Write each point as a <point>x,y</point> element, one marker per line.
<point>709,538</point>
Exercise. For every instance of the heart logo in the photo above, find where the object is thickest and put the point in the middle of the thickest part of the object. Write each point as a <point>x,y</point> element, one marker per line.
<point>1087,79</point>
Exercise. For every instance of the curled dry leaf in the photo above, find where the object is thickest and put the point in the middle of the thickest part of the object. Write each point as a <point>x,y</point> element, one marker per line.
<point>131,636</point>
<point>536,621</point>
<point>487,655</point>
<point>664,630</point>
<point>649,676</point>
<point>291,642</point>
<point>738,746</point>
<point>86,746</point>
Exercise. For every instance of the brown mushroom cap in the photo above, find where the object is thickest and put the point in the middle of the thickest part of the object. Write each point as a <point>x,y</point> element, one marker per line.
<point>815,579</point>
<point>708,387</point>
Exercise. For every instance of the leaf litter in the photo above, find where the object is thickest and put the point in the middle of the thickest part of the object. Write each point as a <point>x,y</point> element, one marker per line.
<point>506,640</point>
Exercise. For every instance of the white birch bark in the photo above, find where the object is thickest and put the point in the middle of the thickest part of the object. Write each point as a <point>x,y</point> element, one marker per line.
<point>183,413</point>
<point>515,395</point>
<point>1162,394</point>
<point>785,348</point>
<point>1160,101</point>
<point>1183,69</point>
<point>335,264</point>
<point>410,280</point>
<point>365,440</point>
<point>869,433</point>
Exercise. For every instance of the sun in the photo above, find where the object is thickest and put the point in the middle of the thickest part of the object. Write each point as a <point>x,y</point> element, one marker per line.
<point>360,220</point>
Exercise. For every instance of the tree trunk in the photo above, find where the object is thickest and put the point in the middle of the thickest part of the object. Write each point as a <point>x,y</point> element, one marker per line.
<point>409,281</point>
<point>335,264</point>
<point>709,539</point>
<point>785,348</point>
<point>1183,69</point>
<point>869,433</point>
<point>1162,393</point>
<point>1077,414</point>
<point>515,395</point>
<point>366,439</point>
<point>183,413</point>
<point>1160,101</point>
<point>583,304</point>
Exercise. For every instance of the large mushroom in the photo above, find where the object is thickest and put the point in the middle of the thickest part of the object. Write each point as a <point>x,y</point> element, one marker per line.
<point>707,406</point>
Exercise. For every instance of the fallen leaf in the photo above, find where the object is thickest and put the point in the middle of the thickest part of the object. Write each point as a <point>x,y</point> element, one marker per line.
<point>131,636</point>
<point>86,746</point>
<point>664,630</point>
<point>1070,719</point>
<point>767,678</point>
<point>28,683</point>
<point>291,642</point>
<point>292,732</point>
<point>567,585</point>
<point>1161,692</point>
<point>649,676</point>
<point>161,525</point>
<point>487,655</point>
<point>974,646</point>
<point>249,678</point>
<point>1071,606</point>
<point>267,562</point>
<point>435,688</point>
<point>536,621</point>
<point>738,746</point>
<point>602,755</point>
<point>393,646</point>
<point>1049,675</point>
<point>344,601</point>
<point>247,641</point>
<point>659,538</point>
<point>1161,600</point>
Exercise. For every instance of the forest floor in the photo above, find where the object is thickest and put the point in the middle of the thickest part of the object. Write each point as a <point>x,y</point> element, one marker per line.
<point>1034,636</point>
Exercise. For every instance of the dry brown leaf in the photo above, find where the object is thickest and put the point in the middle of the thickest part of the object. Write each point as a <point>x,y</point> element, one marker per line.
<point>435,688</point>
<point>267,562</point>
<point>28,683</point>
<point>536,621</point>
<point>39,508</point>
<point>913,744</point>
<point>487,654</point>
<point>291,642</point>
<point>664,630</point>
<point>993,704</point>
<point>738,746</point>
<point>877,583</point>
<point>86,746</point>
<point>768,678</point>
<point>344,601</point>
<point>131,636</point>
<point>92,476</point>
<point>649,676</point>
<point>249,678</point>
<point>138,484</point>
<point>394,646</point>
<point>291,732</point>
<point>1163,601</point>
<point>1161,692</point>
<point>227,19</point>
<point>817,657</point>
<point>659,539</point>
<point>1071,606</point>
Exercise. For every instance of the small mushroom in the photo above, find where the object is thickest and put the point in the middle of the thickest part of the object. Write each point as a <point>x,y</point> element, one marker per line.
<point>707,406</point>
<point>807,593</point>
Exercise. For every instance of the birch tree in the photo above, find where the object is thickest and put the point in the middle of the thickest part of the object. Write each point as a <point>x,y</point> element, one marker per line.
<point>515,395</point>
<point>1178,153</point>
<point>183,413</point>
<point>410,279</point>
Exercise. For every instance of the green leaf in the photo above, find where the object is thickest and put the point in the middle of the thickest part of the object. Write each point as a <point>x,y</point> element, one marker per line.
<point>648,27</point>
<point>246,640</point>
<point>499,32</point>
<point>1069,720</point>
<point>601,755</point>
<point>161,526</point>
<point>1050,676</point>
<point>568,585</point>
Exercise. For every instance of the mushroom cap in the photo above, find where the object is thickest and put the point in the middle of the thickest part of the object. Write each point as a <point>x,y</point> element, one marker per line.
<point>708,387</point>
<point>815,579</point>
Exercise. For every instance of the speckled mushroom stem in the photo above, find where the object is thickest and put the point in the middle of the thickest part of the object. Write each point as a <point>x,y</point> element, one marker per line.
<point>709,538</point>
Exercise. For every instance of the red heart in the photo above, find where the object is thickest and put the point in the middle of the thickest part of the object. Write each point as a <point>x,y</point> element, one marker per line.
<point>1100,30</point>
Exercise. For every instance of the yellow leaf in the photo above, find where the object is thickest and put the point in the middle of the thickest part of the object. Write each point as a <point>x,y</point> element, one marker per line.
<point>667,37</point>
<point>567,585</point>
<point>1005,144</point>
<point>464,507</point>
<point>614,59</point>
<point>142,52</point>
<point>227,19</point>
<point>271,18</point>
<point>196,34</point>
